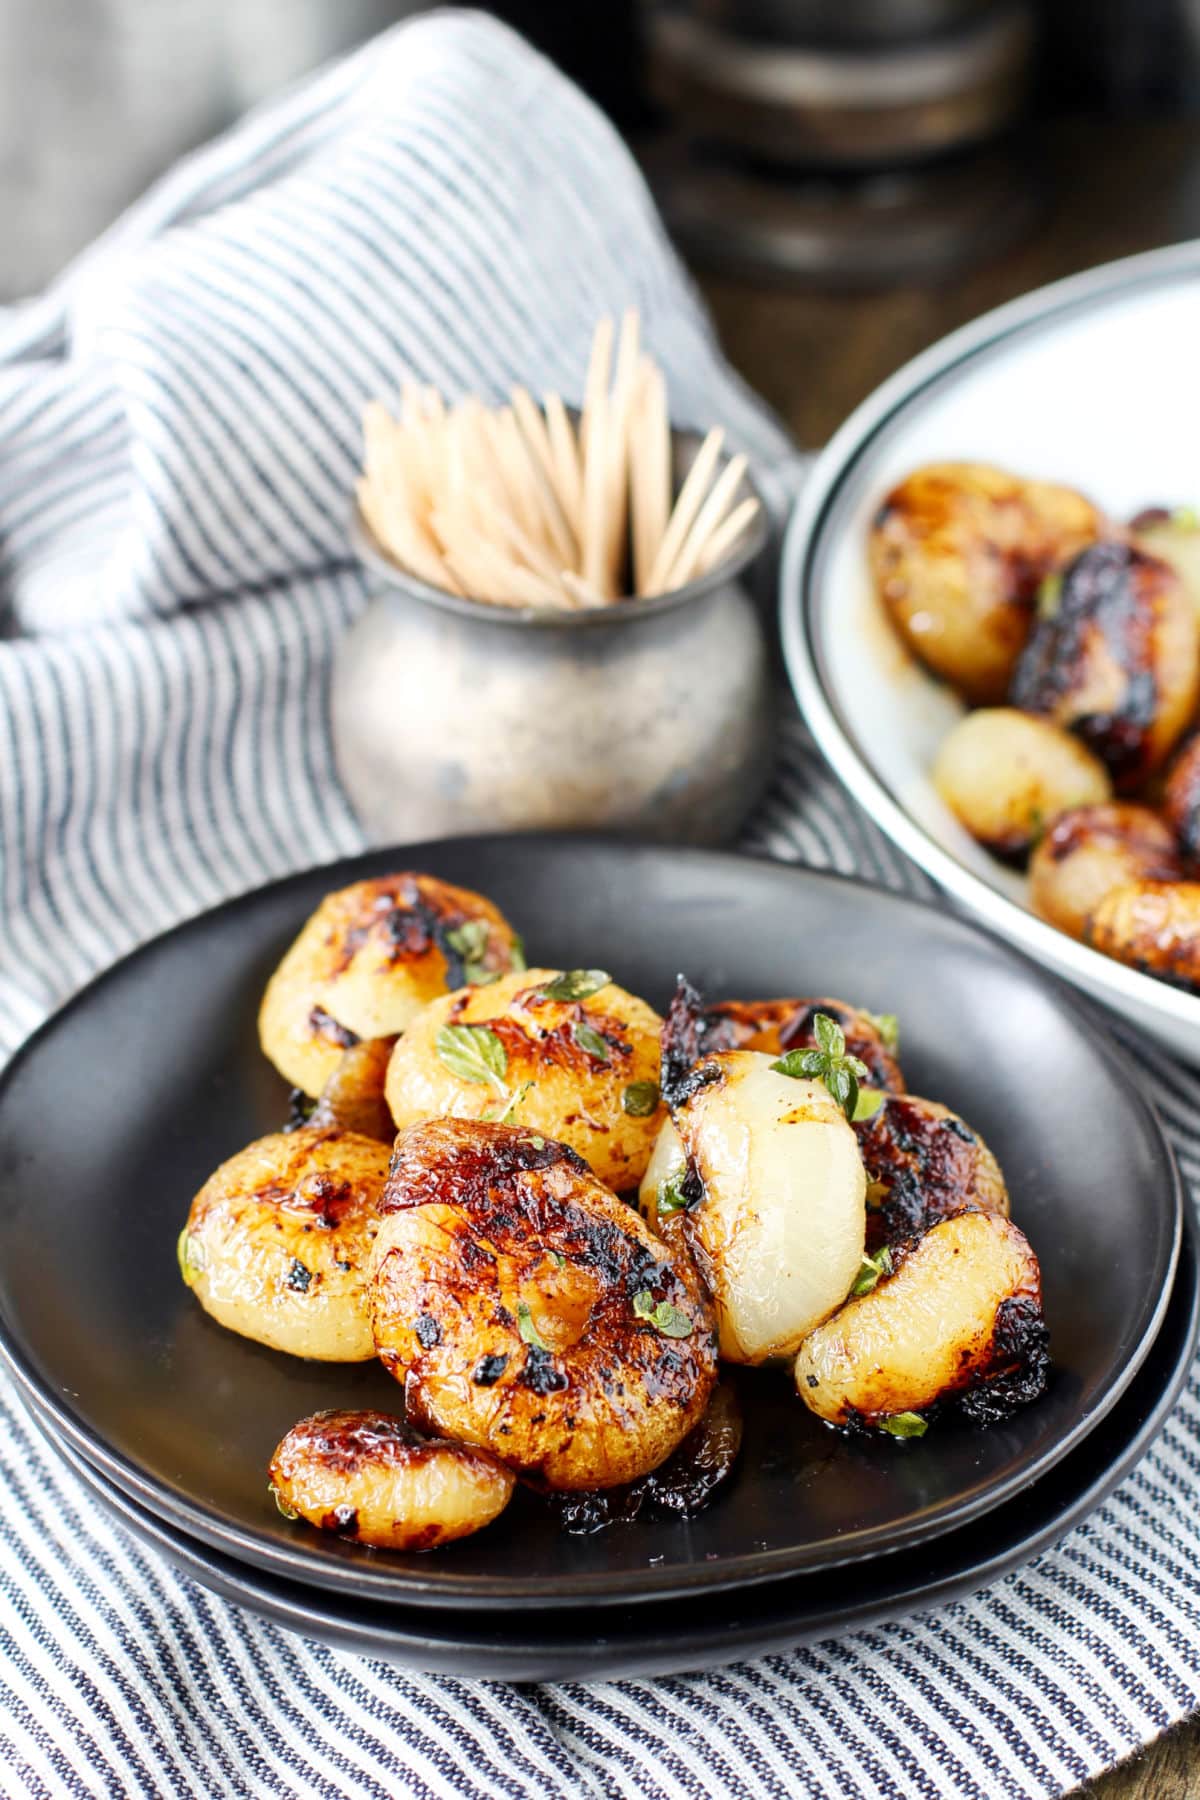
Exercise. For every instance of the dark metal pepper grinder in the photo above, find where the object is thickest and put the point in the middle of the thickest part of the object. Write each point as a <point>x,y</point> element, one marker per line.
<point>842,141</point>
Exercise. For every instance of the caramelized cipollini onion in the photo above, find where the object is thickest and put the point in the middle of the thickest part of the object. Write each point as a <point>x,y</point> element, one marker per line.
<point>370,958</point>
<point>1091,850</point>
<point>923,1164</point>
<point>958,552</point>
<point>777,1218</point>
<point>567,1053</point>
<point>526,1309</point>
<point>959,1319</point>
<point>1006,776</point>
<point>277,1242</point>
<point>369,1476</point>
<point>1116,660</point>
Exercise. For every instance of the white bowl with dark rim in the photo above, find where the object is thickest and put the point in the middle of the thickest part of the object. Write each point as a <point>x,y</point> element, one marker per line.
<point>1094,381</point>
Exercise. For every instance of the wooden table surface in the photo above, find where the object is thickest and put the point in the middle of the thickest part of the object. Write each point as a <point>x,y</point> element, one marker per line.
<point>1114,188</point>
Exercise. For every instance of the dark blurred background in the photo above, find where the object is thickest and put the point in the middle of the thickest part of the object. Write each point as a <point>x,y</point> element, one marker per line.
<point>849,178</point>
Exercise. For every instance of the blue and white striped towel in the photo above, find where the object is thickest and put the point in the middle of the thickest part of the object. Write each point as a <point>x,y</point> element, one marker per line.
<point>178,434</point>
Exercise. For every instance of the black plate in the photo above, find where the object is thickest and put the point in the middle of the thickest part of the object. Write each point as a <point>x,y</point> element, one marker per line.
<point>671,1636</point>
<point>157,1069</point>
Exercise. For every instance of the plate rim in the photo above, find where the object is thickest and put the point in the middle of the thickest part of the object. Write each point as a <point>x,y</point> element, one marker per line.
<point>1050,948</point>
<point>601,1658</point>
<point>442,1587</point>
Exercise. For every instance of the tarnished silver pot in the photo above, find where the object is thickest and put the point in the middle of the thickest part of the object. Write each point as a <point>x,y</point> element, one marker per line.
<point>453,715</point>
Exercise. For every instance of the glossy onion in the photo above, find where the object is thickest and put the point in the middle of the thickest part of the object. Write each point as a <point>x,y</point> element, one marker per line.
<point>370,957</point>
<point>779,1224</point>
<point>962,1314</point>
<point>368,1476</point>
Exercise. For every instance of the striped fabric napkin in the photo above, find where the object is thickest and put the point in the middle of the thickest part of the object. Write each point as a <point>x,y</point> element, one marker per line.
<point>178,437</point>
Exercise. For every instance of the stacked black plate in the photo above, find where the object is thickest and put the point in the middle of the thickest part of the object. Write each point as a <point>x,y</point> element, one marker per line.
<point>171,1420</point>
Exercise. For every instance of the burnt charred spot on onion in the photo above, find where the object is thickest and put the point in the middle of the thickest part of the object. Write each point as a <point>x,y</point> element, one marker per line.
<point>681,1192</point>
<point>301,1107</point>
<point>324,1025</point>
<point>1018,1364</point>
<point>685,1039</point>
<point>1103,624</point>
<point>493,1155</point>
<point>427,1331</point>
<point>489,1369</point>
<point>298,1278</point>
<point>923,1164</point>
<point>681,1487</point>
<point>541,1373</point>
<point>1013,1373</point>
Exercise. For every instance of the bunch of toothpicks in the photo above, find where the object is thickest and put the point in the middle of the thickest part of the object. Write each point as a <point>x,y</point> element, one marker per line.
<point>519,506</point>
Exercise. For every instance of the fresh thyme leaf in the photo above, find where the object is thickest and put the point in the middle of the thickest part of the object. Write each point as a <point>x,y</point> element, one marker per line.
<point>527,1328</point>
<point>575,984</point>
<point>670,1197</point>
<point>1049,594</point>
<point>640,1099</point>
<point>558,1259</point>
<point>510,1105</point>
<point>470,940</point>
<point>516,953</point>
<point>829,1063</point>
<point>839,1079</point>
<point>871,1269</point>
<point>190,1261</point>
<point>473,1053</point>
<point>867,1105</point>
<point>281,1503</point>
<point>664,1317</point>
<point>539,1143</point>
<point>671,1321</point>
<point>801,1065</point>
<point>479,975</point>
<point>590,1041</point>
<point>904,1425</point>
<point>888,1027</point>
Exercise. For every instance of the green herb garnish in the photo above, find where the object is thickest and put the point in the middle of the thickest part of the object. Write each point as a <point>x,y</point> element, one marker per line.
<point>190,1260</point>
<point>281,1503</point>
<point>558,1259</point>
<point>1049,594</point>
<point>888,1027</point>
<point>510,1105</point>
<point>670,1196</point>
<point>575,984</point>
<point>539,1143</point>
<point>469,942</point>
<point>590,1042</point>
<point>640,1099</point>
<point>868,1104</point>
<point>664,1317</point>
<point>904,1425</point>
<point>829,1063</point>
<point>516,953</point>
<point>473,1053</point>
<point>527,1328</point>
<point>871,1269</point>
